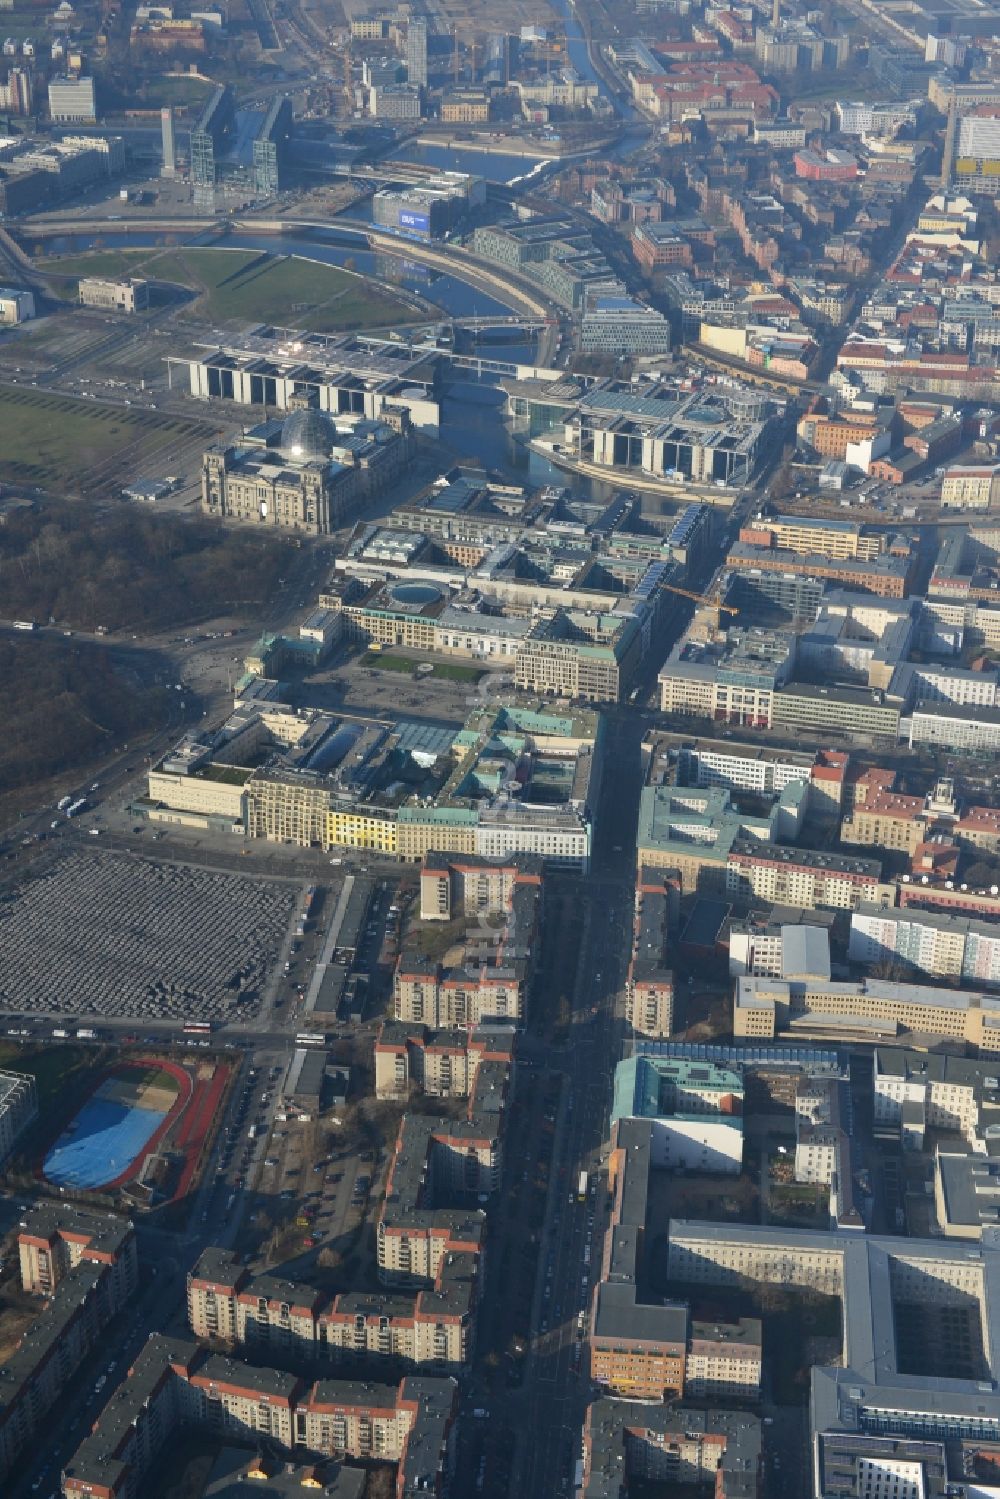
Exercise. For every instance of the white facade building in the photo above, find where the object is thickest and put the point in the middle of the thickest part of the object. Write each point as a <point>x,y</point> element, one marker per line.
<point>16,305</point>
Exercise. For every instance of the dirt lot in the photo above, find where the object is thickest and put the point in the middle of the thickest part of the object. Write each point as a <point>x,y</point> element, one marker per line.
<point>15,1319</point>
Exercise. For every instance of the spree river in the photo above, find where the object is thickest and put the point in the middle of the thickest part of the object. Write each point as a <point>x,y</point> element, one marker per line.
<point>473,426</point>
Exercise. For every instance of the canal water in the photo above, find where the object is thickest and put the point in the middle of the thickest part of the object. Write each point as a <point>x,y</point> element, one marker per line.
<point>495,166</point>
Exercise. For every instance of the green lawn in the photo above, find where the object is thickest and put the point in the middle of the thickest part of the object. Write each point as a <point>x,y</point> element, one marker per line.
<point>57,442</point>
<point>450,671</point>
<point>246,286</point>
<point>152,1077</point>
<point>444,670</point>
<point>230,775</point>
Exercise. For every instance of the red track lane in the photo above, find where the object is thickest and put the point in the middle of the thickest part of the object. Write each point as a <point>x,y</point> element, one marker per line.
<point>185,1089</point>
<point>197,1124</point>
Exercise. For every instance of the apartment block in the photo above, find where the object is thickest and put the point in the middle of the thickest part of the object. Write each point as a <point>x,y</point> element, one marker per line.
<point>18,1108</point>
<point>719,1449</point>
<point>435,1163</point>
<point>724,1360</point>
<point>451,886</point>
<point>269,1316</point>
<point>84,1265</point>
<point>173,1385</point>
<point>803,877</point>
<point>944,946</point>
<point>694,1109</point>
<point>971,487</point>
<point>649,987</point>
<point>442,1064</point>
<point>55,1239</point>
<point>811,535</point>
<point>469,994</point>
<point>773,949</point>
<point>915,1091</point>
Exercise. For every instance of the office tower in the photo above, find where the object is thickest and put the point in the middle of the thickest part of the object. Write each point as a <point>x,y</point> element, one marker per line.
<point>207,137</point>
<point>416,53</point>
<point>270,148</point>
<point>72,100</point>
<point>169,149</point>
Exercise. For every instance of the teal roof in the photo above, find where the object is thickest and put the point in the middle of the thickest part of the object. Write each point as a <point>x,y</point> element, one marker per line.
<point>639,1083</point>
<point>446,815</point>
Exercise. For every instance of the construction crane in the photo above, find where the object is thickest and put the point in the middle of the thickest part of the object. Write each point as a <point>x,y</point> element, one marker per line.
<point>715,603</point>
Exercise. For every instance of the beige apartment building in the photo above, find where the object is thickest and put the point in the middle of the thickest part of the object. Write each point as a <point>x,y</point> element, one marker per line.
<point>430,1330</point>
<point>205,794</point>
<point>451,887</point>
<point>804,877</point>
<point>834,538</point>
<point>649,1006</point>
<point>972,487</point>
<point>173,1384</point>
<point>54,1240</point>
<point>456,998</point>
<point>276,1314</point>
<point>289,1320</point>
<point>212,1288</point>
<point>434,1161</point>
<point>287,809</point>
<point>113,296</point>
<point>411,1253</point>
<point>875,1008</point>
<point>724,1360</point>
<point>442,1064</point>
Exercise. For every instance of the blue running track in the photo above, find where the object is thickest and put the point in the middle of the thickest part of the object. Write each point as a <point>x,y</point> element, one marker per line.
<point>102,1141</point>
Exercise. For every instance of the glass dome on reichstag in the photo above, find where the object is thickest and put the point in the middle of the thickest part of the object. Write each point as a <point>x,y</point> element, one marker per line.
<point>308,434</point>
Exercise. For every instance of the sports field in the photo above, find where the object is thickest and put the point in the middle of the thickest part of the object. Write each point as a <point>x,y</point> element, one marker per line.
<point>112,1129</point>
